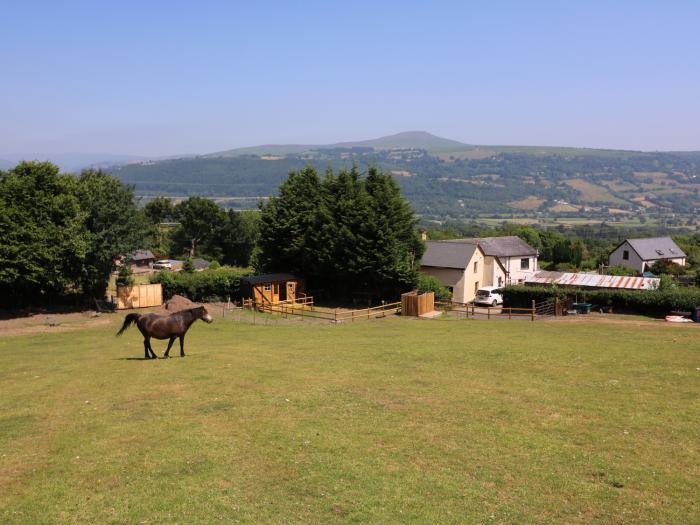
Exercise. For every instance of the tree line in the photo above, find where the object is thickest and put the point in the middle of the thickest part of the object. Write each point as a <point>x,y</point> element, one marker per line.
<point>61,234</point>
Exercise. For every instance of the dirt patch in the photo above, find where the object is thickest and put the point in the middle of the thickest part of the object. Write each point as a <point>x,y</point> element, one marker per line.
<point>52,323</point>
<point>177,303</point>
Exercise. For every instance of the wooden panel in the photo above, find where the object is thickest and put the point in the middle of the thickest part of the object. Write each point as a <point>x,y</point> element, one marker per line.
<point>139,296</point>
<point>413,304</point>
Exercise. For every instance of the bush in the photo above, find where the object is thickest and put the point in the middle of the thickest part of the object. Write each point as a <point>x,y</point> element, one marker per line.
<point>125,277</point>
<point>649,302</point>
<point>428,283</point>
<point>208,285</point>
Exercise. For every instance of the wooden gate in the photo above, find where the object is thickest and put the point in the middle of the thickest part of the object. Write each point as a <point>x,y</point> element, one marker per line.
<point>139,296</point>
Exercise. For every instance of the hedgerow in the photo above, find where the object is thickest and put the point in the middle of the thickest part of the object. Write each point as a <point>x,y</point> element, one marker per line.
<point>208,285</point>
<point>650,302</point>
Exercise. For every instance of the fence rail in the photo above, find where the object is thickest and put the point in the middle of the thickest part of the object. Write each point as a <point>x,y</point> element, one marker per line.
<point>304,308</point>
<point>474,310</point>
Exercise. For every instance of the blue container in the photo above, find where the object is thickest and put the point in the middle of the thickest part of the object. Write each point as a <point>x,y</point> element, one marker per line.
<point>695,316</point>
<point>583,308</point>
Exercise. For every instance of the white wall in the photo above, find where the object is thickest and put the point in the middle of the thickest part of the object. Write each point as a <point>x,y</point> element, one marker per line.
<point>450,277</point>
<point>634,262</point>
<point>512,266</point>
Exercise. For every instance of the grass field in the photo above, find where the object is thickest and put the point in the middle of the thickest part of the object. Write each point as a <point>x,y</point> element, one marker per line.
<point>387,421</point>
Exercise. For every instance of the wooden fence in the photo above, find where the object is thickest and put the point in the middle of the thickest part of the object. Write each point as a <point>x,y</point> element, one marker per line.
<point>488,312</point>
<point>304,308</point>
<point>139,296</point>
<point>415,304</point>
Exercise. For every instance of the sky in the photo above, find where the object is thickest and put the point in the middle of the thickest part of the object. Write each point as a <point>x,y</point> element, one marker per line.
<point>157,78</point>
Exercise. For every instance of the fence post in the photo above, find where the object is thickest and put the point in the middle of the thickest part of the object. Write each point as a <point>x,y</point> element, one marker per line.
<point>556,307</point>
<point>488,312</point>
<point>533,309</point>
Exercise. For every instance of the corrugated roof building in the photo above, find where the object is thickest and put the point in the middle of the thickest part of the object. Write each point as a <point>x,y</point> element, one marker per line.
<point>590,280</point>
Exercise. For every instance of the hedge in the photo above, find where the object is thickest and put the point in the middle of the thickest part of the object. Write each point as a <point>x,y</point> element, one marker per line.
<point>207,285</point>
<point>649,302</point>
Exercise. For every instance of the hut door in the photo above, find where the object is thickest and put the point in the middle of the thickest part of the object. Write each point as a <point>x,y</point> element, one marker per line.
<point>291,290</point>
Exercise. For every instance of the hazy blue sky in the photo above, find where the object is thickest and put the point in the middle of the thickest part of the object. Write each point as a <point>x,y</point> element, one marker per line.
<point>168,77</point>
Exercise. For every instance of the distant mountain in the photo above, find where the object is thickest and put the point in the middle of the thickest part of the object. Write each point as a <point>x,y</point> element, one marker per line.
<point>448,179</point>
<point>405,140</point>
<point>72,161</point>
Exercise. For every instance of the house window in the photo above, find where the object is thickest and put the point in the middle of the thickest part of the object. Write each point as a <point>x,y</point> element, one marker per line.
<point>476,266</point>
<point>525,264</point>
<point>476,287</point>
<point>626,255</point>
<point>268,287</point>
<point>500,282</point>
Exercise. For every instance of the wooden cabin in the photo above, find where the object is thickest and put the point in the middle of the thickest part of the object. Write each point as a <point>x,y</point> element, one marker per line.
<point>272,288</point>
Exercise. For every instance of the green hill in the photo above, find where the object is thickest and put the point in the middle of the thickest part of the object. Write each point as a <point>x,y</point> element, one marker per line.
<point>448,179</point>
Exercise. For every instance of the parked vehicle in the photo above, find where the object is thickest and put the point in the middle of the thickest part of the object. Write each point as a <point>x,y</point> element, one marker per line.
<point>489,295</point>
<point>163,264</point>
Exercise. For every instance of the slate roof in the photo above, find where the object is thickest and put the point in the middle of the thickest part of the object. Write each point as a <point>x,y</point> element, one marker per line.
<point>509,246</point>
<point>653,248</point>
<point>141,255</point>
<point>448,254</point>
<point>200,264</point>
<point>269,278</point>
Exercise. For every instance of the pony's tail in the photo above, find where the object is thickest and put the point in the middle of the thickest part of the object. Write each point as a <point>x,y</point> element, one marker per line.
<point>128,321</point>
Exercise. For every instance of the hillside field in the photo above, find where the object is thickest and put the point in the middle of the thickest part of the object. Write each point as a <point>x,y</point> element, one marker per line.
<point>386,421</point>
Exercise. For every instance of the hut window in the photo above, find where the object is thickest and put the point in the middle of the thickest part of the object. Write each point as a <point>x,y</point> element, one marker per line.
<point>268,287</point>
<point>626,255</point>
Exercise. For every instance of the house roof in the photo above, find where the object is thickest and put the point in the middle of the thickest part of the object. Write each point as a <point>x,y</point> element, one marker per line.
<point>141,255</point>
<point>654,248</point>
<point>589,280</point>
<point>508,246</point>
<point>448,254</point>
<point>269,278</point>
<point>200,264</point>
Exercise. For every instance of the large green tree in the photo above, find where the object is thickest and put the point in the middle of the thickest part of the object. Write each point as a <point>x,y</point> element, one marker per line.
<point>199,221</point>
<point>114,225</point>
<point>42,235</point>
<point>347,234</point>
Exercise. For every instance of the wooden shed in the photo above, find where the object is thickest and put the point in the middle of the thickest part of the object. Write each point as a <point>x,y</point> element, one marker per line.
<point>416,304</point>
<point>139,296</point>
<point>272,288</point>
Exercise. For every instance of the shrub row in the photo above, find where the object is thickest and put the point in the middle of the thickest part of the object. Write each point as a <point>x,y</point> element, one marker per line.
<point>208,285</point>
<point>649,302</point>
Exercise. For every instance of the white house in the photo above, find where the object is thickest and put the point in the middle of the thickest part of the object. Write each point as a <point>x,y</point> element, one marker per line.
<point>465,265</point>
<point>641,254</point>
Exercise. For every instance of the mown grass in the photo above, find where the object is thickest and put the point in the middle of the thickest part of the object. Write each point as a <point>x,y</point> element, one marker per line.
<point>387,421</point>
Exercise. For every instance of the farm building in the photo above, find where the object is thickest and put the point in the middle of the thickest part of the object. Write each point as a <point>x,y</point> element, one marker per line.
<point>592,280</point>
<point>463,267</point>
<point>641,254</point>
<point>272,288</point>
<point>499,261</point>
<point>142,258</point>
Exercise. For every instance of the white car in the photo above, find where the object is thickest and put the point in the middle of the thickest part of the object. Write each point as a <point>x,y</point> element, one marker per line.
<point>488,295</point>
<point>163,264</point>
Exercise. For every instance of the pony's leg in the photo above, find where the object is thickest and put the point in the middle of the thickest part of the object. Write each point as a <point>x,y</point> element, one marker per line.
<point>145,349</point>
<point>170,344</point>
<point>150,349</point>
<point>182,346</point>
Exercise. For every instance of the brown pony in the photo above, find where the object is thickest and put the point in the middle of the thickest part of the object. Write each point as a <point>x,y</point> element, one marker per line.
<point>165,327</point>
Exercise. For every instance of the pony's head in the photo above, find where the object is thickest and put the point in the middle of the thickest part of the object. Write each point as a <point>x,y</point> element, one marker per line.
<point>206,316</point>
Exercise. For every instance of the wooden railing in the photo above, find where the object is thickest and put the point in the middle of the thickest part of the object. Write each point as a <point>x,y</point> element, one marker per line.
<point>474,310</point>
<point>305,308</point>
